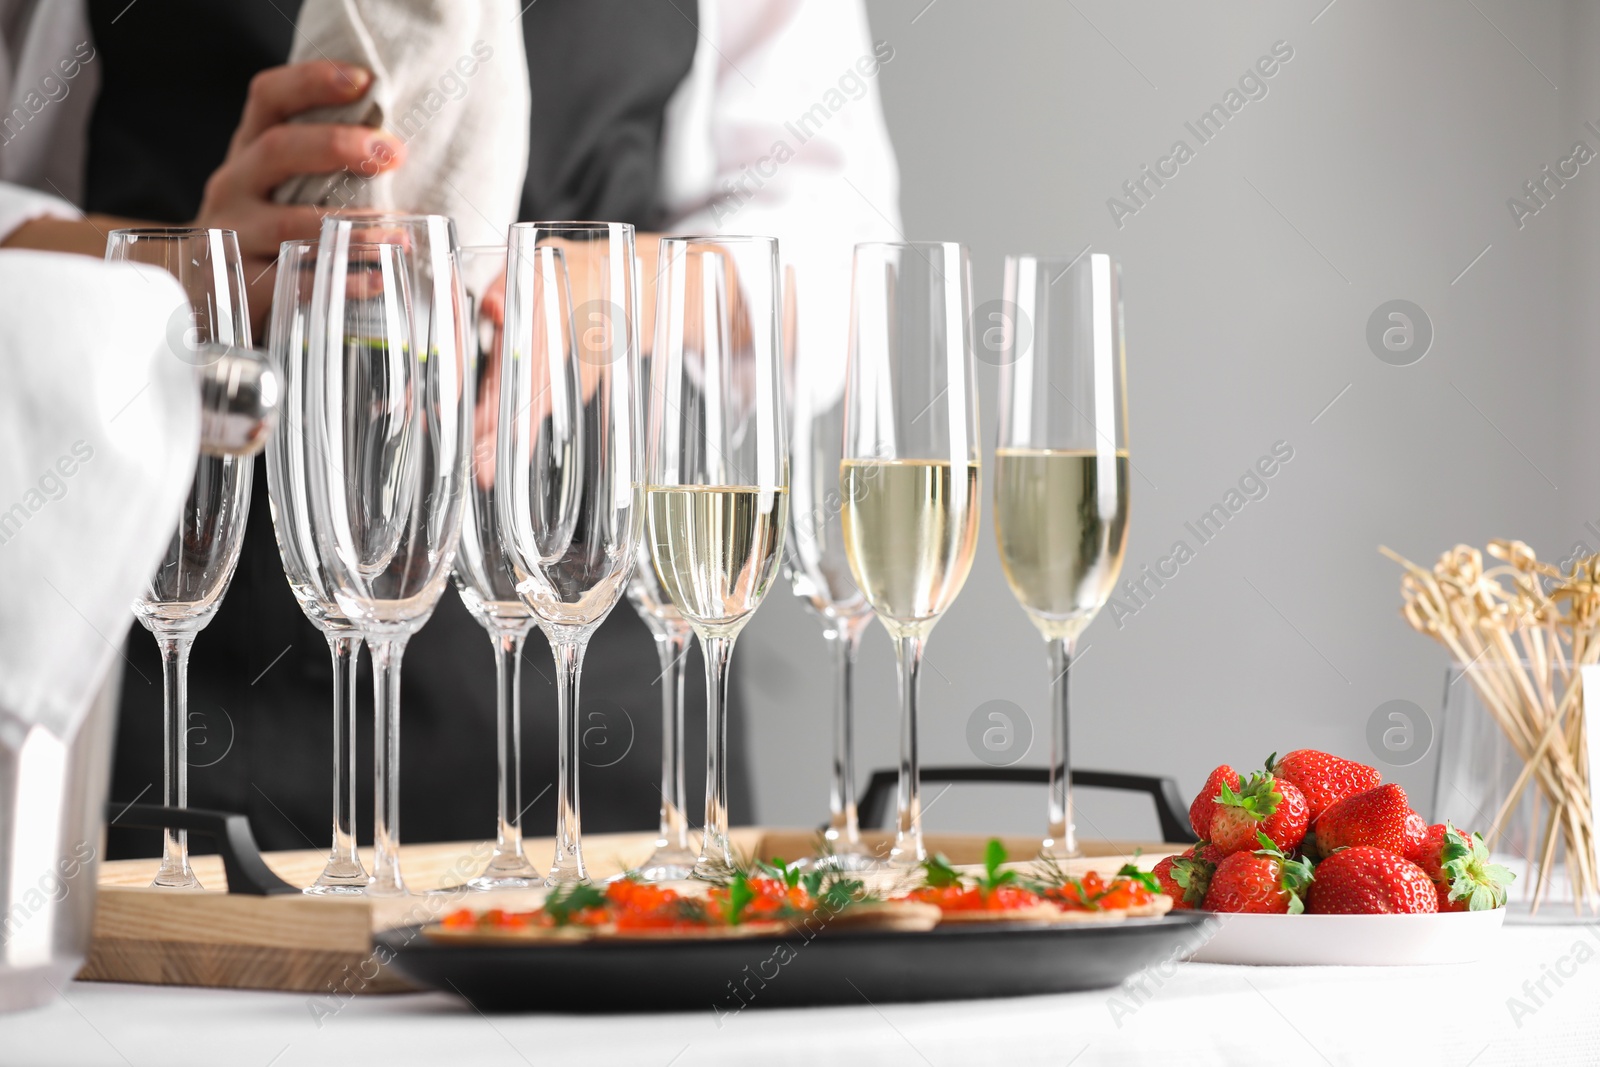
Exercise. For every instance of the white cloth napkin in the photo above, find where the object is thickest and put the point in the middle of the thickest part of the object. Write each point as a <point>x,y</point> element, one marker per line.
<point>450,79</point>
<point>99,427</point>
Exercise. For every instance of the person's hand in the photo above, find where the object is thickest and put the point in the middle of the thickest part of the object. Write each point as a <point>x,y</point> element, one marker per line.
<point>268,150</point>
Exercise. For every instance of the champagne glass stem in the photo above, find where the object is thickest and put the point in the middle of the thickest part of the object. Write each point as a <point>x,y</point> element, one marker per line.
<point>908,850</point>
<point>670,647</point>
<point>567,867</point>
<point>844,829</point>
<point>386,654</point>
<point>715,855</point>
<point>343,869</point>
<point>1063,839</point>
<point>175,646</point>
<point>508,641</point>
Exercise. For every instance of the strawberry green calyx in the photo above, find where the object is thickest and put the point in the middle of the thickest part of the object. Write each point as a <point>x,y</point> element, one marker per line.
<point>1193,876</point>
<point>1258,796</point>
<point>1294,875</point>
<point>1471,876</point>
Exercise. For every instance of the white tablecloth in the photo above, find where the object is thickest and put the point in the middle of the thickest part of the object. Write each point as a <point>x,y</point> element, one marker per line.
<point>1491,1012</point>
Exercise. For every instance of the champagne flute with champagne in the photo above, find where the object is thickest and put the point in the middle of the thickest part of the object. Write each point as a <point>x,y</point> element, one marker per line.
<point>1061,469</point>
<point>909,478</point>
<point>717,496</point>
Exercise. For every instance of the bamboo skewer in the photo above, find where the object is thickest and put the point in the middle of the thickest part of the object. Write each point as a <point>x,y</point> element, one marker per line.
<point>1522,631</point>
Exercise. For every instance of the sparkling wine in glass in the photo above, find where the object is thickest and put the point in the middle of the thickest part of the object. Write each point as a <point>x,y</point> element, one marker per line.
<point>568,461</point>
<point>388,412</point>
<point>485,577</point>
<point>188,586</point>
<point>818,570</point>
<point>717,492</point>
<point>287,457</point>
<point>909,477</point>
<point>1061,469</point>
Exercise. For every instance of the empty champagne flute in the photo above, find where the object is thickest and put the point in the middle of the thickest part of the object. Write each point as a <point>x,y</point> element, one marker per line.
<point>287,457</point>
<point>389,412</point>
<point>672,859</point>
<point>818,569</point>
<point>1061,469</point>
<point>910,472</point>
<point>188,586</point>
<point>567,464</point>
<point>483,575</point>
<point>717,494</point>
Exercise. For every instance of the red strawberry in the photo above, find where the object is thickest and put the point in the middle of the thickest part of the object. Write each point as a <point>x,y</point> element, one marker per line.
<point>1191,873</point>
<point>1169,885</point>
<point>1370,881</point>
<point>1263,804</point>
<point>1416,833</point>
<point>1426,854</point>
<point>1376,819</point>
<point>1205,801</point>
<point>1324,779</point>
<point>1459,868</point>
<point>1264,881</point>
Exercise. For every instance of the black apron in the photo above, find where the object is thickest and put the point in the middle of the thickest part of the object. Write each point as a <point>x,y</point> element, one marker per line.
<point>174,75</point>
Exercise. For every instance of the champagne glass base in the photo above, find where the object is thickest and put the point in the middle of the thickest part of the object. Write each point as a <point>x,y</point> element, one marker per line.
<point>561,878</point>
<point>511,871</point>
<point>851,860</point>
<point>566,867</point>
<point>341,876</point>
<point>1061,850</point>
<point>486,883</point>
<point>666,865</point>
<point>387,889</point>
<point>176,879</point>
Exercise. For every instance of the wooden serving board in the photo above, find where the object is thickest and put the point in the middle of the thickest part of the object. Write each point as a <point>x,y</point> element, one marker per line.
<point>318,944</point>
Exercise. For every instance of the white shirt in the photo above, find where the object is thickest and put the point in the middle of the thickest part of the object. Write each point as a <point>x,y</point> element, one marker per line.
<point>777,130</point>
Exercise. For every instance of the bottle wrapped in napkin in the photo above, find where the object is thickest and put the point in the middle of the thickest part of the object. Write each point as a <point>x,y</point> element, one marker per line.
<point>450,80</point>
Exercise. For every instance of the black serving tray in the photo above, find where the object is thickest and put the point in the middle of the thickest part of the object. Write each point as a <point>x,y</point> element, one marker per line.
<point>844,967</point>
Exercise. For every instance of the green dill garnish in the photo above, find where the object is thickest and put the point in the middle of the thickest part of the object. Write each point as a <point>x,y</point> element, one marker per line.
<point>564,903</point>
<point>994,856</point>
<point>938,874</point>
<point>1144,878</point>
<point>739,897</point>
<point>778,870</point>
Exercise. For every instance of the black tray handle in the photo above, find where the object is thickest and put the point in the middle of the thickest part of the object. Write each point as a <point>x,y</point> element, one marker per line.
<point>247,872</point>
<point>1171,811</point>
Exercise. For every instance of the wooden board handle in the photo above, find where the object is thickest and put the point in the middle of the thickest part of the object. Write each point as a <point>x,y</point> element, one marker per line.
<point>247,872</point>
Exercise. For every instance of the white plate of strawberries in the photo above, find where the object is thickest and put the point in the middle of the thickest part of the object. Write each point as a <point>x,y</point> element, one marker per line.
<point>1314,860</point>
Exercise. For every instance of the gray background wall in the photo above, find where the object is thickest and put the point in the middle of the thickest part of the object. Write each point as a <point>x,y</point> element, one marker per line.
<point>1377,167</point>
